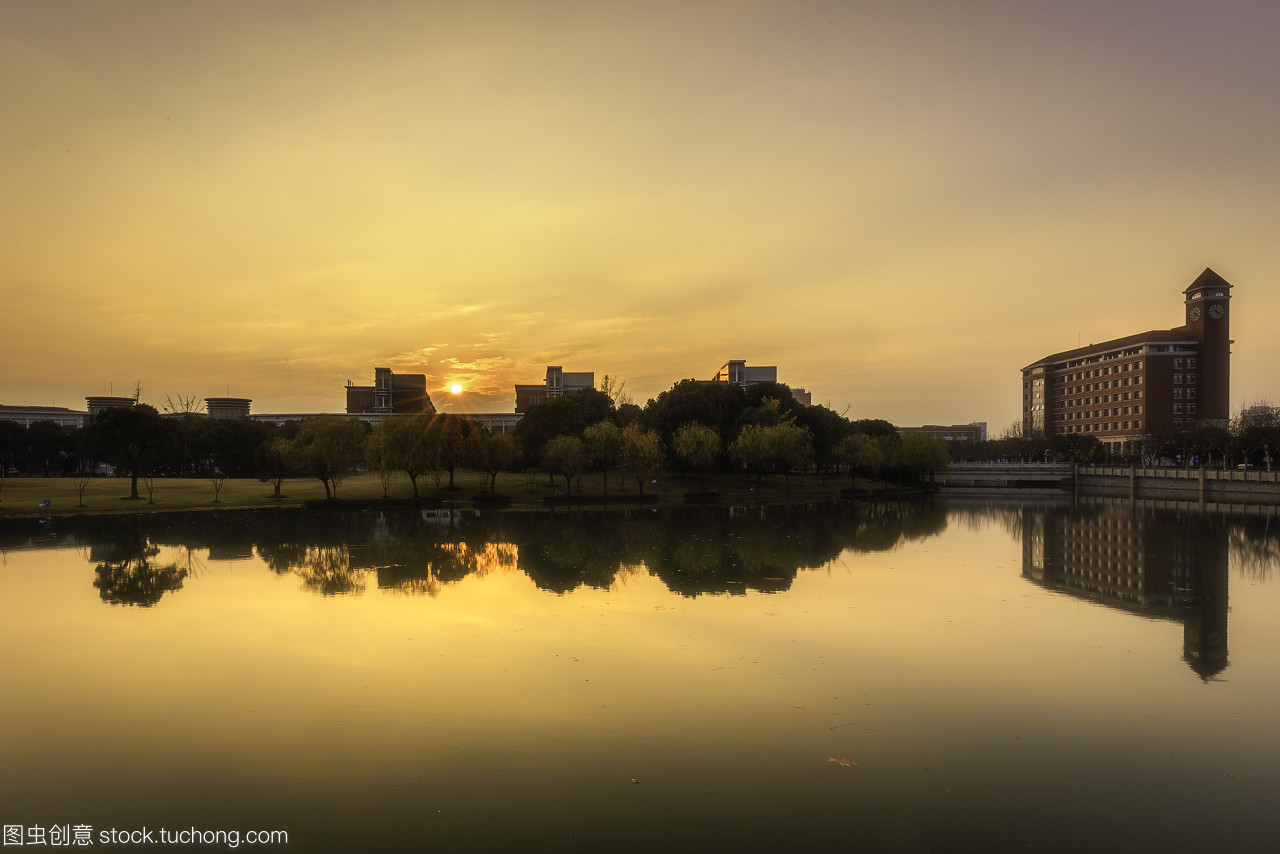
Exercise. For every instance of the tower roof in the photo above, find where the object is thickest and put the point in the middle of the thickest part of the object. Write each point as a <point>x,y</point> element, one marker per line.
<point>1207,279</point>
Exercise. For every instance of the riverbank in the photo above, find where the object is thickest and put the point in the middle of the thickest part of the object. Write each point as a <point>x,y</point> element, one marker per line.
<point>23,497</point>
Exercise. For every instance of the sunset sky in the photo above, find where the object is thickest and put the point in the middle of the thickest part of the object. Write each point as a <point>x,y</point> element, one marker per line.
<point>899,204</point>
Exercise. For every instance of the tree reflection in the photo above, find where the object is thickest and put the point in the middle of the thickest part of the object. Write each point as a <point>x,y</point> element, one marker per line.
<point>127,573</point>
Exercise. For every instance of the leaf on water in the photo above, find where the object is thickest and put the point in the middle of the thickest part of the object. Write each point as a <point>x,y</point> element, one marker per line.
<point>843,763</point>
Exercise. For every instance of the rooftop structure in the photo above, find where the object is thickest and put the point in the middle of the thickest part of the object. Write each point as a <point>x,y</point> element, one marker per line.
<point>738,372</point>
<point>227,407</point>
<point>558,383</point>
<point>390,392</point>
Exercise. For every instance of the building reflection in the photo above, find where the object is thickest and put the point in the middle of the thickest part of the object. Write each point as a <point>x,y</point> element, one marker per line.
<point>1167,565</point>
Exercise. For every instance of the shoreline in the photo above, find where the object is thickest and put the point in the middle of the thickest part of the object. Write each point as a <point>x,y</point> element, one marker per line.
<point>21,497</point>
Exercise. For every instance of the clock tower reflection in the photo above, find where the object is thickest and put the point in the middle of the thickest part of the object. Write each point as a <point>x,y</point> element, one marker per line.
<point>1157,564</point>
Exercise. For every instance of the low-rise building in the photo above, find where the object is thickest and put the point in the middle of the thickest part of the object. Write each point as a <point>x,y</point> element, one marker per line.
<point>60,415</point>
<point>738,372</point>
<point>558,383</point>
<point>390,392</point>
<point>973,432</point>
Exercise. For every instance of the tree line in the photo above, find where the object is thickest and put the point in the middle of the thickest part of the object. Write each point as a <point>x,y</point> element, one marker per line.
<point>695,428</point>
<point>1251,438</point>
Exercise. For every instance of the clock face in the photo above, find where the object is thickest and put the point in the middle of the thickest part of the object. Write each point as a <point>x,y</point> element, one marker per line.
<point>1216,312</point>
<point>1194,313</point>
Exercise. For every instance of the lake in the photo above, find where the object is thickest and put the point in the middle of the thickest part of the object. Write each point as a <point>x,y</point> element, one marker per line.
<point>954,675</point>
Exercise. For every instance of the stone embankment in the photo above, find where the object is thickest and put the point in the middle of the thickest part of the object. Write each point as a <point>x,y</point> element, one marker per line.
<point>1199,485</point>
<point>1181,484</point>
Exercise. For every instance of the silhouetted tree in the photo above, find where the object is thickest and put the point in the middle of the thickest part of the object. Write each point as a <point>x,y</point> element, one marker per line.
<point>698,446</point>
<point>132,436</point>
<point>603,442</point>
<point>328,447</point>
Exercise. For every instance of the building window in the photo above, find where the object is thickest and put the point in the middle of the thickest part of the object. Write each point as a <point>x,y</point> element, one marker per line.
<point>1191,394</point>
<point>1191,364</point>
<point>1177,408</point>
<point>1191,378</point>
<point>1177,379</point>
<point>1191,407</point>
<point>1177,394</point>
<point>1177,364</point>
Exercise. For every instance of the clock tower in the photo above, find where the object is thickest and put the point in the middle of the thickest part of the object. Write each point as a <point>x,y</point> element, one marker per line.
<point>1208,305</point>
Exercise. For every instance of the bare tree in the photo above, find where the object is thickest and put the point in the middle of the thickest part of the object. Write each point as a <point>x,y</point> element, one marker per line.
<point>184,409</point>
<point>80,480</point>
<point>615,390</point>
<point>218,480</point>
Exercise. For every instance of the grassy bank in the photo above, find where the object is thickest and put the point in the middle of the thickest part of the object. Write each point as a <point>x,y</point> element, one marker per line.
<point>21,496</point>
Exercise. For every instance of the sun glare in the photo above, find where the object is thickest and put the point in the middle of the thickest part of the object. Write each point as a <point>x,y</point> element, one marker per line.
<point>455,388</point>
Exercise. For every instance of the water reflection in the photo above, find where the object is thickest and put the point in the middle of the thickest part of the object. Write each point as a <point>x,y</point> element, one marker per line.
<point>1166,565</point>
<point>128,572</point>
<point>693,551</point>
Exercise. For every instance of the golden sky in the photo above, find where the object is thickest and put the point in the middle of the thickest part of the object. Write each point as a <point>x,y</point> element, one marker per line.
<point>899,204</point>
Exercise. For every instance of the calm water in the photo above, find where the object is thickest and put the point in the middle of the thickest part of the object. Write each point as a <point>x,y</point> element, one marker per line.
<point>936,677</point>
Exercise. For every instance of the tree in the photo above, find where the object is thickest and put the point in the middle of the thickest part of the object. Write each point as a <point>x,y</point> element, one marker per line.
<point>328,447</point>
<point>80,480</point>
<point>1257,432</point>
<point>566,456</point>
<point>717,405</point>
<point>924,454</point>
<point>697,446</point>
<point>753,449</point>
<point>568,415</point>
<point>277,459</point>
<point>641,453</point>
<point>446,438</point>
<point>603,442</point>
<point>493,454</point>
<point>793,448</point>
<point>47,443</point>
<point>860,451</point>
<point>13,445</point>
<point>826,428</point>
<point>378,455</point>
<point>406,438</point>
<point>184,411</point>
<point>132,436</point>
<point>615,390</point>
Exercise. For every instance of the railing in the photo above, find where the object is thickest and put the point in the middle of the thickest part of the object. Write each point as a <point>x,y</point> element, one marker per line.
<point>1064,468</point>
<point>1181,473</point>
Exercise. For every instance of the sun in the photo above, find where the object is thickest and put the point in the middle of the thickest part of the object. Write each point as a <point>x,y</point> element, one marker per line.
<point>455,388</point>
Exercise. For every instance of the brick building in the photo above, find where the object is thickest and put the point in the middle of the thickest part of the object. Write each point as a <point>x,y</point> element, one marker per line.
<point>390,392</point>
<point>558,383</point>
<point>1161,381</point>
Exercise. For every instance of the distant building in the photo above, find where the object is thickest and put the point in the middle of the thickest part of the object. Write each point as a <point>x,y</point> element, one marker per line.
<point>97,404</point>
<point>973,432</point>
<point>60,415</point>
<point>1160,381</point>
<point>227,407</point>
<point>390,392</point>
<point>738,372</point>
<point>557,384</point>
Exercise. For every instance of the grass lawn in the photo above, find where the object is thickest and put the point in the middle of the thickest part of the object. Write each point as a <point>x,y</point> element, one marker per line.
<point>21,496</point>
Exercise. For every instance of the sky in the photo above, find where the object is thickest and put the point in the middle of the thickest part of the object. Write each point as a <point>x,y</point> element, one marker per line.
<point>899,204</point>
